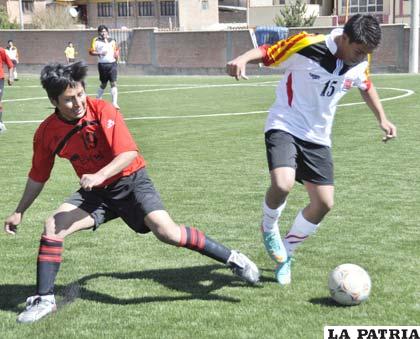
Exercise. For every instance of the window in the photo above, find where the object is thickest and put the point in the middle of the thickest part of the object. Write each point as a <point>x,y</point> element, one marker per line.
<point>27,6</point>
<point>105,9</point>
<point>363,6</point>
<point>167,8</point>
<point>122,9</point>
<point>146,8</point>
<point>204,4</point>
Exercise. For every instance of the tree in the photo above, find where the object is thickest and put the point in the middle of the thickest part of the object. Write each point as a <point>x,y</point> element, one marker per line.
<point>4,20</point>
<point>53,17</point>
<point>294,15</point>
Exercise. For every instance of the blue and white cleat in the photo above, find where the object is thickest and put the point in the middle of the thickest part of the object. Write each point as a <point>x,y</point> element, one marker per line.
<point>284,273</point>
<point>274,246</point>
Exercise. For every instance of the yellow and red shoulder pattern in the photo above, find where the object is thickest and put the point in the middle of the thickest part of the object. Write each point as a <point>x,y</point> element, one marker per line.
<point>283,49</point>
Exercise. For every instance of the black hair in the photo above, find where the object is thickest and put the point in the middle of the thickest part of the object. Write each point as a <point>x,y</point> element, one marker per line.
<point>9,41</point>
<point>363,29</point>
<point>56,77</point>
<point>102,27</point>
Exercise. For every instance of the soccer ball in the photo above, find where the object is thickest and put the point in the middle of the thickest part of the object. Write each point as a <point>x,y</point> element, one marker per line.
<point>349,284</point>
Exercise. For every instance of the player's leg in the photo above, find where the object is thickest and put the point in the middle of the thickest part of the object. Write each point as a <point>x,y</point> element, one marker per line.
<point>113,82</point>
<point>282,181</point>
<point>143,211</point>
<point>307,221</point>
<point>315,170</point>
<point>281,156</point>
<point>15,75</point>
<point>2,125</point>
<point>103,78</point>
<point>67,219</point>
<point>166,230</point>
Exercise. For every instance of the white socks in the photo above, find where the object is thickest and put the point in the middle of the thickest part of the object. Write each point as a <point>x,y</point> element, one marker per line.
<point>300,230</point>
<point>114,96</point>
<point>100,93</point>
<point>271,217</point>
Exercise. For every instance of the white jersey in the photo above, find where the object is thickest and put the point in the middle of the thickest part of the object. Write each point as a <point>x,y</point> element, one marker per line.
<point>12,53</point>
<point>314,82</point>
<point>109,46</point>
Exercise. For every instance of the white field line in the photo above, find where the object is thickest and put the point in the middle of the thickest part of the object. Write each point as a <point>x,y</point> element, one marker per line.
<point>407,93</point>
<point>159,90</point>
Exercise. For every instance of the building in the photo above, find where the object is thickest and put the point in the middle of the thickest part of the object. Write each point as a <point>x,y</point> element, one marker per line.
<point>187,15</point>
<point>29,7</point>
<point>169,14</point>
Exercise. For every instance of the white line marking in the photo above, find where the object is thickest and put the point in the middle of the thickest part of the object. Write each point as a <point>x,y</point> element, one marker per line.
<point>159,90</point>
<point>407,93</point>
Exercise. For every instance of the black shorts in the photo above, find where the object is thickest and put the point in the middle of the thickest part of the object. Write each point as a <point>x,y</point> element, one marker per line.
<point>131,198</point>
<point>107,72</point>
<point>313,162</point>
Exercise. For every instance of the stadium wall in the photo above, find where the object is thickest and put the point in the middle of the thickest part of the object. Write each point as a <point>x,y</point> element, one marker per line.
<point>201,52</point>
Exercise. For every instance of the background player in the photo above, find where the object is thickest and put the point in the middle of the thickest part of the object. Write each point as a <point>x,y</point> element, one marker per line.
<point>107,51</point>
<point>13,54</point>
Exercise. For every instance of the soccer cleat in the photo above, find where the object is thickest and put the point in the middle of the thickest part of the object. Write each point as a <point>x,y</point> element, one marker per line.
<point>283,272</point>
<point>243,267</point>
<point>274,246</point>
<point>2,127</point>
<point>37,307</point>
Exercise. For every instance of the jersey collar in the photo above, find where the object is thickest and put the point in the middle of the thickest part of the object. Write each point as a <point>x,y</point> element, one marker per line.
<point>329,40</point>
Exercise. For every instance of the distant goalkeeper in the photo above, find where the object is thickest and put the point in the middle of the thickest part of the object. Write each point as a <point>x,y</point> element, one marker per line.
<point>114,183</point>
<point>319,71</point>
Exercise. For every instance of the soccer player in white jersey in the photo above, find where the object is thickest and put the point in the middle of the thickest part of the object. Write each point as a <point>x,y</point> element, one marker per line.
<point>319,70</point>
<point>107,51</point>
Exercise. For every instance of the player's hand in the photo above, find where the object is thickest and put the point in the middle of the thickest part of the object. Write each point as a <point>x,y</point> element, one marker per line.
<point>89,181</point>
<point>11,223</point>
<point>237,68</point>
<point>389,129</point>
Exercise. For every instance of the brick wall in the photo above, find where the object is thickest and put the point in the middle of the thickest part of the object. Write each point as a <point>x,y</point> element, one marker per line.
<point>153,52</point>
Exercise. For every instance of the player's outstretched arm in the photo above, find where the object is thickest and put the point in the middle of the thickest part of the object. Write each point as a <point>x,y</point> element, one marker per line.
<point>32,190</point>
<point>237,67</point>
<point>371,98</point>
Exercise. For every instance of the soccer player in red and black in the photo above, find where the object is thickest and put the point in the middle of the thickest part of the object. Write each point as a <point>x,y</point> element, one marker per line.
<point>92,135</point>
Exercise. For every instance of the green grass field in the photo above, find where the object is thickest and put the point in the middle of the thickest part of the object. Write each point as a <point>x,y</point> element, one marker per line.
<point>211,172</point>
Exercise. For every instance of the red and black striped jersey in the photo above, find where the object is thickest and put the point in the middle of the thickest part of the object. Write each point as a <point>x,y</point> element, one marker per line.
<point>314,82</point>
<point>90,143</point>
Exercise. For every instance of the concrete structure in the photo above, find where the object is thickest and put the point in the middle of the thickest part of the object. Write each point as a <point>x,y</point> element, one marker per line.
<point>29,8</point>
<point>156,52</point>
<point>197,15</point>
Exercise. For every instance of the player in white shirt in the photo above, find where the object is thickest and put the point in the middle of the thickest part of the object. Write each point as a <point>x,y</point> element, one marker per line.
<point>12,53</point>
<point>107,51</point>
<point>319,70</point>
